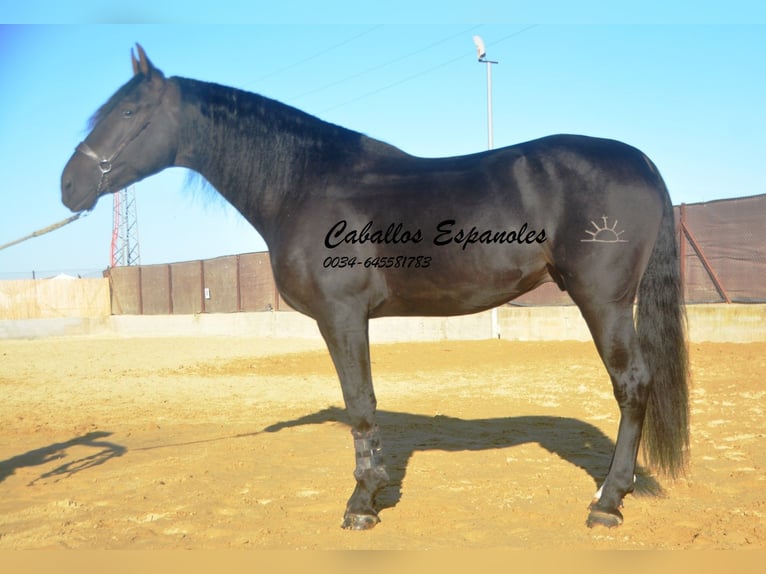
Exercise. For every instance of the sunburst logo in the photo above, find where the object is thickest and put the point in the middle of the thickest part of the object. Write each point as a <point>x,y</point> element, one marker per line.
<point>604,233</point>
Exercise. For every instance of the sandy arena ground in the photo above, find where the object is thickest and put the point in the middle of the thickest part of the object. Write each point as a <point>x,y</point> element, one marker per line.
<point>241,443</point>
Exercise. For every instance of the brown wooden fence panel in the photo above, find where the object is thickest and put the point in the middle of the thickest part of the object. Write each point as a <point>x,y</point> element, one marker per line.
<point>221,285</point>
<point>125,285</point>
<point>723,250</point>
<point>186,279</point>
<point>155,289</point>
<point>257,290</point>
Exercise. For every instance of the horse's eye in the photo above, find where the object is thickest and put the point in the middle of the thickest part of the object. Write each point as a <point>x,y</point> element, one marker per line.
<point>127,113</point>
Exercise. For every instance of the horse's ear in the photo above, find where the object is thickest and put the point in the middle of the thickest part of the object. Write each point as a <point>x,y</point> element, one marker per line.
<point>134,62</point>
<point>142,65</point>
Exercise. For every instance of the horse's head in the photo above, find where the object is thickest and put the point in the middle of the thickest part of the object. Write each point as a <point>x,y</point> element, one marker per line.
<point>133,136</point>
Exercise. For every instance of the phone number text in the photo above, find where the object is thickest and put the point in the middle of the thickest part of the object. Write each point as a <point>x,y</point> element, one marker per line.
<point>393,262</point>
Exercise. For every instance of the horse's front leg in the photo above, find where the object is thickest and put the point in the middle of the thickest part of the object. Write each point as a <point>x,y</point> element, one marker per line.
<point>348,343</point>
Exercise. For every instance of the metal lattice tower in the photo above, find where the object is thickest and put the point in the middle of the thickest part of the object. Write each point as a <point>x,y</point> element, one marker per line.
<point>125,247</point>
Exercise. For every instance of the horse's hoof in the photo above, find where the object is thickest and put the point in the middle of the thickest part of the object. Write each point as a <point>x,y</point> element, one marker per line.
<point>603,518</point>
<point>359,521</point>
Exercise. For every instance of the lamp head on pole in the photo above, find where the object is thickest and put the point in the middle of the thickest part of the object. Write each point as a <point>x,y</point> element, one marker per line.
<point>480,49</point>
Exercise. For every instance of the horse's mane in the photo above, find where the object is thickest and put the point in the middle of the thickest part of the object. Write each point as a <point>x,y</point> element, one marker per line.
<point>265,120</point>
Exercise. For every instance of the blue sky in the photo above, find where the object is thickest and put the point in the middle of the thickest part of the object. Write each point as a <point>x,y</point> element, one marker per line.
<point>690,95</point>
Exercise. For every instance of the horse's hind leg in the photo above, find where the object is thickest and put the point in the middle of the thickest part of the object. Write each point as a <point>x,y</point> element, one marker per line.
<point>613,331</point>
<point>348,343</point>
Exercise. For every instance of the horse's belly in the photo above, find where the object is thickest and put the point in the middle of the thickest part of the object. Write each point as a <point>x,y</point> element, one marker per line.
<point>459,292</point>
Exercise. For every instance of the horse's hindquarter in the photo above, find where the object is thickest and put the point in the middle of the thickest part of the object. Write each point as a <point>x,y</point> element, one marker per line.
<point>602,202</point>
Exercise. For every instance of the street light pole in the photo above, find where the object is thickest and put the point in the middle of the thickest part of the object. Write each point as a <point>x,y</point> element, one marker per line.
<point>482,53</point>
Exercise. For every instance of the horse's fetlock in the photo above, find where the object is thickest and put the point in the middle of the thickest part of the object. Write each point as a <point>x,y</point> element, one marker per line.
<point>373,478</point>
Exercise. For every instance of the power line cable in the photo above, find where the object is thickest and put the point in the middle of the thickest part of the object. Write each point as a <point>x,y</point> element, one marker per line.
<point>383,65</point>
<point>421,73</point>
<point>314,56</point>
<point>394,84</point>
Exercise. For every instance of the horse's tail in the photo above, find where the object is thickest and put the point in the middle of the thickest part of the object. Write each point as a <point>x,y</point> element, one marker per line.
<point>661,322</point>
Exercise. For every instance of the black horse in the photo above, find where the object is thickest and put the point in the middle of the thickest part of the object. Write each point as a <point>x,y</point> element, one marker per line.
<point>358,229</point>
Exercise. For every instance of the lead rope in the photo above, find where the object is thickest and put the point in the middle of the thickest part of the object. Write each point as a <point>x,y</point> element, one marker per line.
<point>45,230</point>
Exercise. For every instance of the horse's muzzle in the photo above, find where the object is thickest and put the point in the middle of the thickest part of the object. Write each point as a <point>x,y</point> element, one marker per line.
<point>74,194</point>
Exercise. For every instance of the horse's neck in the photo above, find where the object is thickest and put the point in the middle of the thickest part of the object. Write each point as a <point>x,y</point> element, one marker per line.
<point>258,153</point>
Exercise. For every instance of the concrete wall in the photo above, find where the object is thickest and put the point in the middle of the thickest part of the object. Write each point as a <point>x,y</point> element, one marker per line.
<point>716,323</point>
<point>727,323</point>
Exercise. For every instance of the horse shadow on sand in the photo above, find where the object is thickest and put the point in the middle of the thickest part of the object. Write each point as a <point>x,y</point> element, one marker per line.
<point>58,451</point>
<point>575,441</point>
